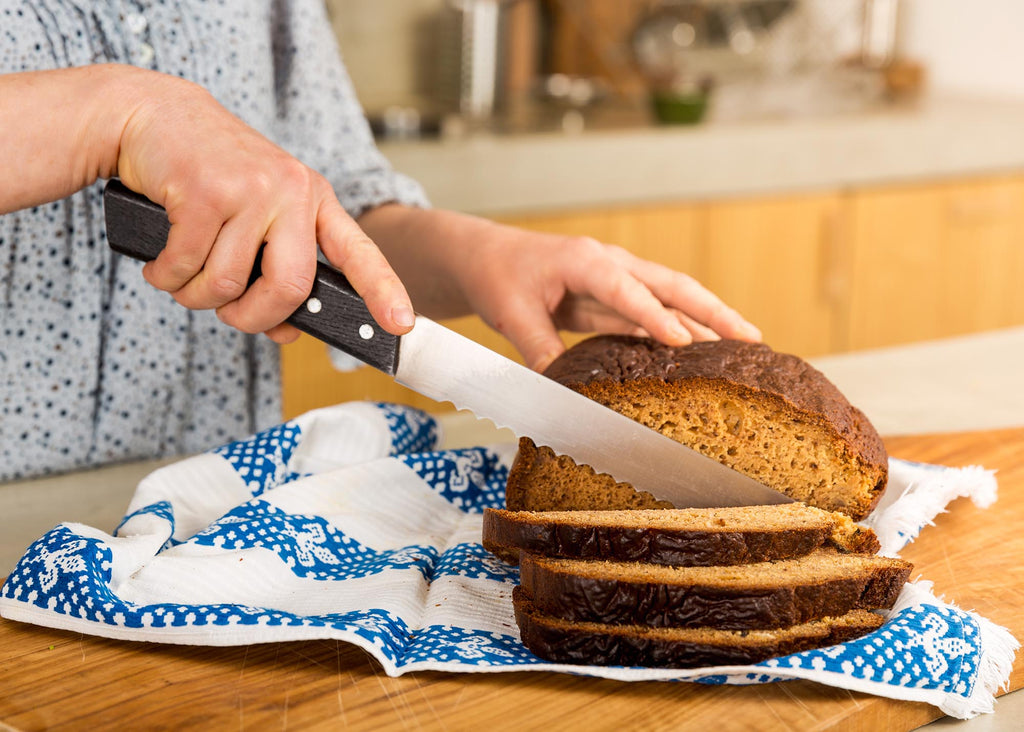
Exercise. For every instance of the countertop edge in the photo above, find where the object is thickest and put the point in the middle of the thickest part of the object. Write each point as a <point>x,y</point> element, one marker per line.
<point>533,173</point>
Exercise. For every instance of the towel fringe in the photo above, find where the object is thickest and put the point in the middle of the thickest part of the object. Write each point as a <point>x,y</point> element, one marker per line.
<point>927,494</point>
<point>998,650</point>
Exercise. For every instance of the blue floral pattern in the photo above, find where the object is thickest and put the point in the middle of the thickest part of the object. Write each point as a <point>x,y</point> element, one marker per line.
<point>927,647</point>
<point>449,644</point>
<point>472,560</point>
<point>308,545</point>
<point>472,479</point>
<point>411,430</point>
<point>63,572</point>
<point>262,460</point>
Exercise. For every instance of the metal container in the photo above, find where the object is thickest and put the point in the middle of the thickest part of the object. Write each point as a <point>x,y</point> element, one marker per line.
<point>472,66</point>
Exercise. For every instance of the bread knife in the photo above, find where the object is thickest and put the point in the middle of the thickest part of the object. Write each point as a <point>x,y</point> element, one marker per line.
<point>447,367</point>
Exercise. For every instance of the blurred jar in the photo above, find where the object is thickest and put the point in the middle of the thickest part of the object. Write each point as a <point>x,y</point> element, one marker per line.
<point>663,45</point>
<point>682,45</point>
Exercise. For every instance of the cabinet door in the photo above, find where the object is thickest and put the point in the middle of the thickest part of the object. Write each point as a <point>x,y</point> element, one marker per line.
<point>935,261</point>
<point>780,262</point>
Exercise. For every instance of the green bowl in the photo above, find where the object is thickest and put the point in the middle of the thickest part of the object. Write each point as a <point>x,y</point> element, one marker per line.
<point>679,109</point>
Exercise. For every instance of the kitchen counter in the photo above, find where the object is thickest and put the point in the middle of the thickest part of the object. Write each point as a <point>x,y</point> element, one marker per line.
<point>495,174</point>
<point>967,383</point>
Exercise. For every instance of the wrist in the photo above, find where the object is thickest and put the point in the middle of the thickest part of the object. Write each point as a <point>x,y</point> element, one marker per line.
<point>115,92</point>
<point>58,153</point>
<point>140,96</point>
<point>429,249</point>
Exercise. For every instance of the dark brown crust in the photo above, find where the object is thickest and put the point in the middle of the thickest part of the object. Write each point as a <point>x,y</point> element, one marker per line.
<point>556,641</point>
<point>625,601</point>
<point>505,534</point>
<point>601,367</point>
<point>864,542</point>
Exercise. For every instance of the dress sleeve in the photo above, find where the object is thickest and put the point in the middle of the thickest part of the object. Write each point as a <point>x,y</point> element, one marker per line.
<point>319,118</point>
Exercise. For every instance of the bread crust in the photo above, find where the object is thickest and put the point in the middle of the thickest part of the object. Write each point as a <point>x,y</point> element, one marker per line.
<point>540,480</point>
<point>506,533</point>
<point>619,594</point>
<point>596,644</point>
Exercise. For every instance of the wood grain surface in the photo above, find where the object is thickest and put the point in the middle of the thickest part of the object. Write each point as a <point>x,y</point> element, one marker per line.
<point>65,681</point>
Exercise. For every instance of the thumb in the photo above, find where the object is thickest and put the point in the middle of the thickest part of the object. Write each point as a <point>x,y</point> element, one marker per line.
<point>349,249</point>
<point>530,329</point>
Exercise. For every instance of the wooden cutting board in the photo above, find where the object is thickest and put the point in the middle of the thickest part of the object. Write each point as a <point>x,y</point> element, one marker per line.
<point>60,680</point>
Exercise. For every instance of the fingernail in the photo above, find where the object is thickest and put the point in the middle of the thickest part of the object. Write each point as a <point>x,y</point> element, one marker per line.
<point>403,316</point>
<point>541,364</point>
<point>751,331</point>
<point>678,332</point>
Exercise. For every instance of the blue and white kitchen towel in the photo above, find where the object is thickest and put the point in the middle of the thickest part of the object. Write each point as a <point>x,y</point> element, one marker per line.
<point>349,523</point>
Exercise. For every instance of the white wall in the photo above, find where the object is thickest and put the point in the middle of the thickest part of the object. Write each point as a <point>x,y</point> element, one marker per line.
<point>974,46</point>
<point>389,47</point>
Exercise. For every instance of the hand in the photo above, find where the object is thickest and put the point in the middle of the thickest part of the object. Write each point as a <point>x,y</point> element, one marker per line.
<point>528,286</point>
<point>227,189</point>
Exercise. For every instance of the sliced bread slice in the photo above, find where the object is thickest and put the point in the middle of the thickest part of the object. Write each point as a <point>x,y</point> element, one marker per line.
<point>773,594</point>
<point>680,537</point>
<point>565,641</point>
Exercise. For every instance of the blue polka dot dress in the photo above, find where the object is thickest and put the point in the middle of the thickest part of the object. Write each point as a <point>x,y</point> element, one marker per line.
<point>97,366</point>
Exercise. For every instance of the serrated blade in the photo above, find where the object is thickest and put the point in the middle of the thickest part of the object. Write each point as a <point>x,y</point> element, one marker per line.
<point>446,366</point>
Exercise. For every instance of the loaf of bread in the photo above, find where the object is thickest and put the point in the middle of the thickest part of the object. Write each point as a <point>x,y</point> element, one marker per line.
<point>610,575</point>
<point>565,641</point>
<point>762,595</point>
<point>675,536</point>
<point>769,415</point>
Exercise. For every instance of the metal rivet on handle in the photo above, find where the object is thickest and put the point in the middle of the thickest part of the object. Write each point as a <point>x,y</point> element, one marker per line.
<point>366,331</point>
<point>313,305</point>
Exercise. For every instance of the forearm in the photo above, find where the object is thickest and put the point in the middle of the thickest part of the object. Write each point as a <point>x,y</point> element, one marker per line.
<point>60,130</point>
<point>428,249</point>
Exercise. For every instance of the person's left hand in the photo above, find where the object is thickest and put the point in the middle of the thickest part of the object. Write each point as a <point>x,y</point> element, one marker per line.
<point>528,285</point>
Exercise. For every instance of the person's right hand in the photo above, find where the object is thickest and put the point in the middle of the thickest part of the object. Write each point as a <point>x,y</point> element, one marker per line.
<point>227,189</point>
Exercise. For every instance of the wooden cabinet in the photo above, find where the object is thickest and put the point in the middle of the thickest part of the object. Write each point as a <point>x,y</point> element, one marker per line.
<point>771,259</point>
<point>774,261</point>
<point>818,273</point>
<point>935,261</point>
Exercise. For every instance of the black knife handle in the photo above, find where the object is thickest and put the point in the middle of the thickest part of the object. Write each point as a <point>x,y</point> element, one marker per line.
<point>333,312</point>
